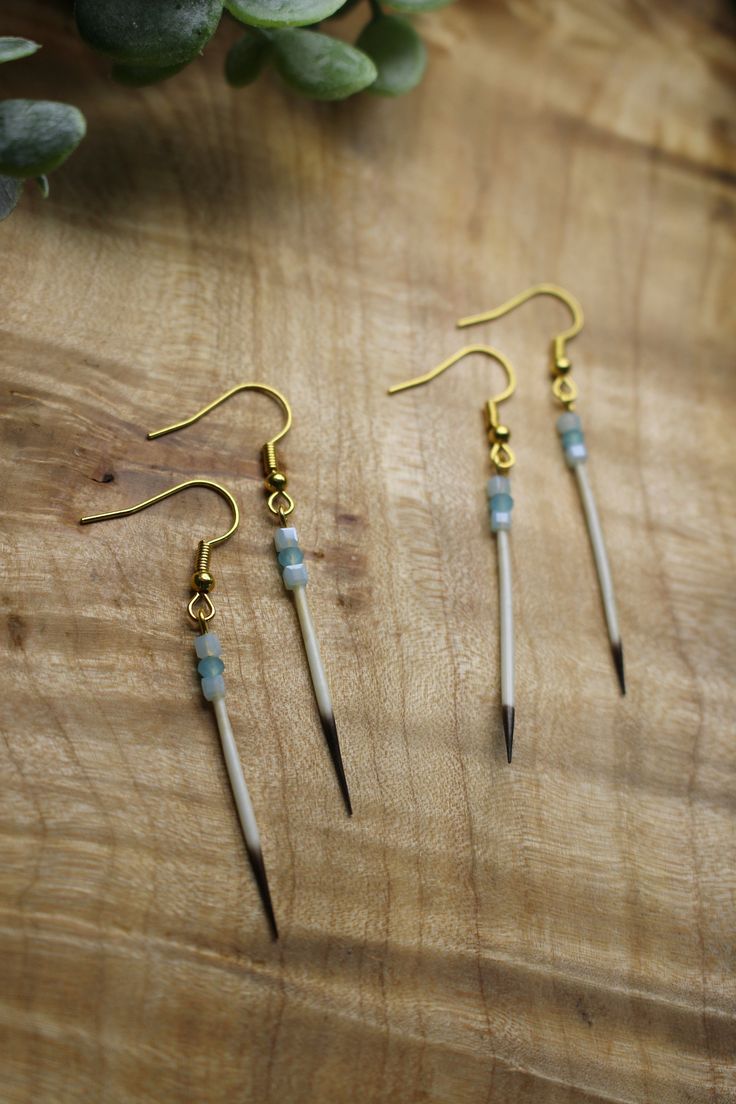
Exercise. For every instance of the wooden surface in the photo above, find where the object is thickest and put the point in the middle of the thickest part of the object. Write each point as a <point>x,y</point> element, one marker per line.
<point>557,932</point>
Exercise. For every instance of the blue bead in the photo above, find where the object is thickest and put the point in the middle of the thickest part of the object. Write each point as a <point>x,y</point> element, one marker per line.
<point>210,666</point>
<point>213,688</point>
<point>285,538</point>
<point>207,644</point>
<point>498,484</point>
<point>294,575</point>
<point>568,421</point>
<point>572,437</point>
<point>501,502</point>
<point>293,555</point>
<point>500,519</point>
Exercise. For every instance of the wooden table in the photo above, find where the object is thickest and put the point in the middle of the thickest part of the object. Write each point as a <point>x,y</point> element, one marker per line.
<point>554,931</point>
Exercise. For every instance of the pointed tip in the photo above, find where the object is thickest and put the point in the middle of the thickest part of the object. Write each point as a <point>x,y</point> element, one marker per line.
<point>259,872</point>
<point>617,652</point>
<point>508,715</point>
<point>330,730</point>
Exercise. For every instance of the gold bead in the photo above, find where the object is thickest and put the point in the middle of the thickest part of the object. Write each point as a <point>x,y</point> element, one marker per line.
<point>203,582</point>
<point>501,433</point>
<point>276,481</point>
<point>562,366</point>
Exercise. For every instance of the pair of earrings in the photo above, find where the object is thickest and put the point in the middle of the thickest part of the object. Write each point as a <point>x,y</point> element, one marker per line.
<point>201,611</point>
<point>500,502</point>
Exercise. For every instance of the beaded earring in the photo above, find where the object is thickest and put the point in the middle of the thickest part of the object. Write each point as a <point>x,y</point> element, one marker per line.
<point>500,505</point>
<point>569,428</point>
<point>290,561</point>
<point>210,667</point>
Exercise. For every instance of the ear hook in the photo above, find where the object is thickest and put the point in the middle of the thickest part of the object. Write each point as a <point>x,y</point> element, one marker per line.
<point>501,454</point>
<point>276,481</point>
<point>561,363</point>
<point>202,580</point>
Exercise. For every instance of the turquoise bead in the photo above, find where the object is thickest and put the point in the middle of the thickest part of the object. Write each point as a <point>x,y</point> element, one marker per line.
<point>210,666</point>
<point>293,555</point>
<point>572,437</point>
<point>501,503</point>
<point>498,484</point>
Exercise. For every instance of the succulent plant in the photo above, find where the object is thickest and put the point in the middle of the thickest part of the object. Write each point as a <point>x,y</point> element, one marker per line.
<point>149,42</point>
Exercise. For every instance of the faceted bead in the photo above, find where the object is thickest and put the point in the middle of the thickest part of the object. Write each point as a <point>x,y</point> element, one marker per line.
<point>572,437</point>
<point>500,519</point>
<point>210,666</point>
<point>295,575</point>
<point>292,555</point>
<point>213,687</point>
<point>285,538</point>
<point>207,645</point>
<point>498,484</point>
<point>568,421</point>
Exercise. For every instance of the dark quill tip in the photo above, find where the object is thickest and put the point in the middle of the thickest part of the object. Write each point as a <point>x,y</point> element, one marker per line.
<point>508,714</point>
<point>617,652</point>
<point>330,730</point>
<point>259,872</point>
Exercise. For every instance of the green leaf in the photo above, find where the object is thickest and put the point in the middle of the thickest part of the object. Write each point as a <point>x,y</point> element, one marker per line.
<point>320,66</point>
<point>246,58</point>
<point>37,135</point>
<point>13,48</point>
<point>409,7</point>
<point>10,191</point>
<point>149,33</point>
<point>136,76</point>
<point>282,13</point>
<point>397,52</point>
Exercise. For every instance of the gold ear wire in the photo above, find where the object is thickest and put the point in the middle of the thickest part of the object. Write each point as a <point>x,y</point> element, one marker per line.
<point>202,580</point>
<point>563,387</point>
<point>501,454</point>
<point>275,479</point>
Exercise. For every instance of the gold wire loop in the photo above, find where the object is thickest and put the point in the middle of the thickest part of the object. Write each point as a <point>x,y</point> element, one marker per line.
<point>502,456</point>
<point>204,613</point>
<point>500,449</point>
<point>565,389</point>
<point>280,510</point>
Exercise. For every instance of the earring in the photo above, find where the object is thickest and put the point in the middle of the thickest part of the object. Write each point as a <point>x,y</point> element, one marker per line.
<point>291,563</point>
<point>570,431</point>
<point>210,667</point>
<point>500,505</point>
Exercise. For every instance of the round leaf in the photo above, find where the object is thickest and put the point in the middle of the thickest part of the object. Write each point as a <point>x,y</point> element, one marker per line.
<point>246,58</point>
<point>282,13</point>
<point>397,52</point>
<point>411,6</point>
<point>13,48</point>
<point>136,76</point>
<point>320,66</point>
<point>155,33</point>
<point>10,190</point>
<point>37,135</point>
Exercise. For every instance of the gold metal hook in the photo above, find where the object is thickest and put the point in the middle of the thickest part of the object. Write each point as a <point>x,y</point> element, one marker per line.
<point>275,479</point>
<point>202,580</point>
<point>561,363</point>
<point>262,387</point>
<point>501,455</point>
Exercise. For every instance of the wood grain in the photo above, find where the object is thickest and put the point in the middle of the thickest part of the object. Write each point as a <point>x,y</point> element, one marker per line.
<point>558,932</point>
